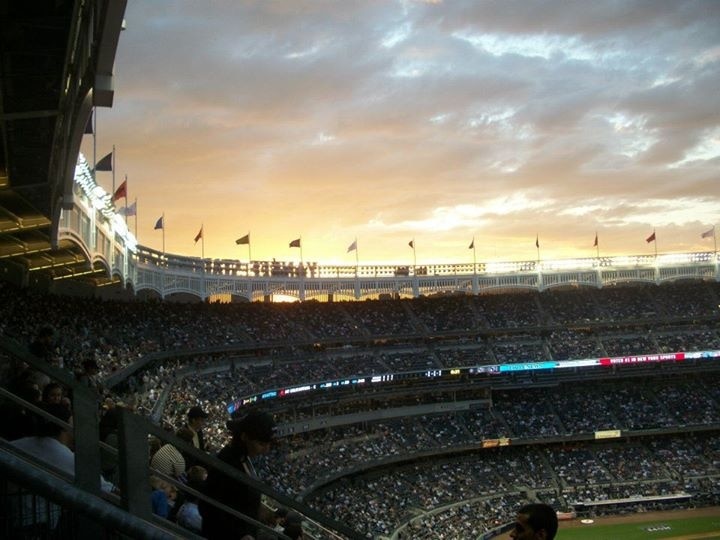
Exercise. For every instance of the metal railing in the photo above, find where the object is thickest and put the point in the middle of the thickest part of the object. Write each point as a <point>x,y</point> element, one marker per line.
<point>131,513</point>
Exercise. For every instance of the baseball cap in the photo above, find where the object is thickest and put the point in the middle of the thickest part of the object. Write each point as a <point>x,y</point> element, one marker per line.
<point>197,412</point>
<point>257,425</point>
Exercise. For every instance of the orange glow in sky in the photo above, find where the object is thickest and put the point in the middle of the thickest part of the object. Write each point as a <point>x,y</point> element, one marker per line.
<point>439,122</point>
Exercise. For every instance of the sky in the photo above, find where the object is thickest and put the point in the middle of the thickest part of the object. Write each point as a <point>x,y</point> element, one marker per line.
<point>433,121</point>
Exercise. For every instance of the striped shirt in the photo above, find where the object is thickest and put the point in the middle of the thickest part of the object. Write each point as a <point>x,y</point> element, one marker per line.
<point>168,460</point>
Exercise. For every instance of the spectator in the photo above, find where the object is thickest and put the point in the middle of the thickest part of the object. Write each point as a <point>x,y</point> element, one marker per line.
<point>89,376</point>
<point>162,497</point>
<point>109,434</point>
<point>535,521</point>
<point>293,526</point>
<point>52,393</point>
<point>188,514</point>
<point>281,515</point>
<point>196,420</point>
<point>43,346</point>
<point>251,437</point>
<point>169,460</point>
<point>17,421</point>
<point>52,443</point>
<point>186,435</point>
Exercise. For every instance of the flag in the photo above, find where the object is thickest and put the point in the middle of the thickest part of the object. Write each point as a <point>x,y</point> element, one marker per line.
<point>199,235</point>
<point>352,247</point>
<point>411,243</point>
<point>472,244</point>
<point>105,164</point>
<point>244,240</point>
<point>89,125</point>
<point>295,243</point>
<point>159,223</point>
<point>596,241</point>
<point>120,192</point>
<point>709,233</point>
<point>650,238</point>
<point>537,242</point>
<point>128,211</point>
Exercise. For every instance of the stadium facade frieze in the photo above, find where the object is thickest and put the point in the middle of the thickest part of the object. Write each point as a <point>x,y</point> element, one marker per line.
<point>207,278</point>
<point>105,238</point>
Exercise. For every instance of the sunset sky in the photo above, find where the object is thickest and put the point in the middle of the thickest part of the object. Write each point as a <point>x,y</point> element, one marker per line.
<point>388,121</point>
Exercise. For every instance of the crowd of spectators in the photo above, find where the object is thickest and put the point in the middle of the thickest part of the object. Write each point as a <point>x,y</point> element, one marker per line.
<point>115,334</point>
<point>406,435</point>
<point>509,349</point>
<point>531,413</point>
<point>96,338</point>
<point>468,519</point>
<point>492,483</point>
<point>251,376</point>
<point>568,344</point>
<point>443,314</point>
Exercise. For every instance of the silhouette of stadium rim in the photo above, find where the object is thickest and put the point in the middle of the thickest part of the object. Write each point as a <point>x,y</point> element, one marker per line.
<point>92,222</point>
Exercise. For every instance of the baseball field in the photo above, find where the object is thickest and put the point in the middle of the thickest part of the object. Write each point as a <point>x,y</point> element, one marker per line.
<point>680,525</point>
<point>700,524</point>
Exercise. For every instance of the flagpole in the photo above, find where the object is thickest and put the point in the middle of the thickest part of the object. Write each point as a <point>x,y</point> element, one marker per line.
<point>247,271</point>
<point>301,256</point>
<point>202,237</point>
<point>357,257</point>
<point>94,121</point>
<point>126,200</point>
<point>655,242</point>
<point>136,218</point>
<point>112,161</point>
<point>414,256</point>
<point>537,245</point>
<point>474,257</point>
<point>163,230</point>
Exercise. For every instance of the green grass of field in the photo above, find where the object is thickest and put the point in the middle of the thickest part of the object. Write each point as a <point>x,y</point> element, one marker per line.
<point>638,531</point>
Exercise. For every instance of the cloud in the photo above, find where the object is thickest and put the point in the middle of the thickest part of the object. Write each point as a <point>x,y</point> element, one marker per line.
<point>444,119</point>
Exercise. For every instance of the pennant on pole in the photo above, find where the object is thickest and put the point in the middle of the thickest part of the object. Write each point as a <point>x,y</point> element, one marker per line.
<point>128,211</point>
<point>105,164</point>
<point>472,244</point>
<point>352,247</point>
<point>120,192</point>
<point>295,243</point>
<point>159,223</point>
<point>596,241</point>
<point>244,240</point>
<point>537,241</point>
<point>411,243</point>
<point>199,235</point>
<point>709,233</point>
<point>650,238</point>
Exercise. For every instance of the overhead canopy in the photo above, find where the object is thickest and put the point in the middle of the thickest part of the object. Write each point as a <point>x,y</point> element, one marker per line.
<point>38,40</point>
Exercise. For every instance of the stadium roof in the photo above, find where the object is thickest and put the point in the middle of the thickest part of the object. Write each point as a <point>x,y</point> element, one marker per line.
<point>40,51</point>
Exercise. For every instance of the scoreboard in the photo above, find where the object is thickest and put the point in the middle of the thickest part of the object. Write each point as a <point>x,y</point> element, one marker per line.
<point>470,371</point>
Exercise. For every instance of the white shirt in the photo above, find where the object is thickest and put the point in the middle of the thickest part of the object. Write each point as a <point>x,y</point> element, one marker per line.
<point>55,453</point>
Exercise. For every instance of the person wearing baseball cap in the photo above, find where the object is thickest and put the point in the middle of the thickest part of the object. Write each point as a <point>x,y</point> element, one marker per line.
<point>252,436</point>
<point>195,421</point>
